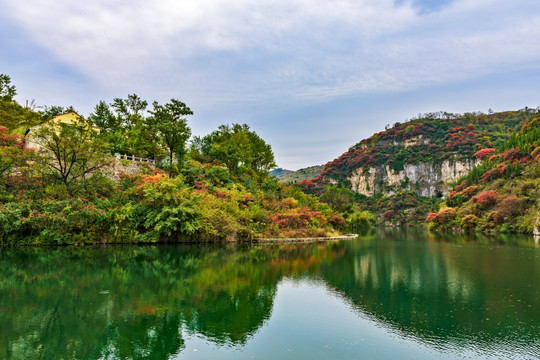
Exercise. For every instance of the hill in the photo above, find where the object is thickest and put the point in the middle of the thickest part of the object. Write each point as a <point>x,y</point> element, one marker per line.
<point>403,172</point>
<point>280,172</point>
<point>301,174</point>
<point>502,193</point>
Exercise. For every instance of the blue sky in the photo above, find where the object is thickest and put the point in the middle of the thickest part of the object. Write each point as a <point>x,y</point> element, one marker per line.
<point>311,77</point>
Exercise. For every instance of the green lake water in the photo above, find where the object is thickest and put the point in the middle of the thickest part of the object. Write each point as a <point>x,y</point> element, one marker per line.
<point>390,294</point>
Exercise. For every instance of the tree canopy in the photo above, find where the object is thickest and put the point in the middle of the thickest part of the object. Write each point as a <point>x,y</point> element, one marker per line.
<point>236,146</point>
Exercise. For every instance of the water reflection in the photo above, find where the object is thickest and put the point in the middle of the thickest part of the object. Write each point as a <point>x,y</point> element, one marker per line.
<point>139,302</point>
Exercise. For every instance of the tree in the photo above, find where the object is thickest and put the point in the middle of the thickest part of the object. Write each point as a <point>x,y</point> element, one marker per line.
<point>12,115</point>
<point>172,127</point>
<point>111,127</point>
<point>7,91</point>
<point>130,110</point>
<point>71,153</point>
<point>237,146</point>
<point>339,198</point>
<point>55,110</point>
<point>11,151</point>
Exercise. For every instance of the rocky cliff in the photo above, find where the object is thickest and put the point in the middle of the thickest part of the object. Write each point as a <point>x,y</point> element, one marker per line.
<point>427,179</point>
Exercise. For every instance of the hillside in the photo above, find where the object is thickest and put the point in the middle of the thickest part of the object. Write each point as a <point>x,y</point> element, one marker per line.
<point>301,174</point>
<point>403,172</point>
<point>280,172</point>
<point>502,193</point>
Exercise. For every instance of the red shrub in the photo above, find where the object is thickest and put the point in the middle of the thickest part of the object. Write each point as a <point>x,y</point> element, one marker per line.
<point>388,214</point>
<point>337,221</point>
<point>431,217</point>
<point>483,153</point>
<point>490,175</point>
<point>486,198</point>
<point>512,154</point>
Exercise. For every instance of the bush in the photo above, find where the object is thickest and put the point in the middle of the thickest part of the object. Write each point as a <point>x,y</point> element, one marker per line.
<point>486,198</point>
<point>510,205</point>
<point>469,221</point>
<point>483,153</point>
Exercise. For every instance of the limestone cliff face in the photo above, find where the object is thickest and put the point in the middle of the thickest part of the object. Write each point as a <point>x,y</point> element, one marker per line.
<point>427,179</point>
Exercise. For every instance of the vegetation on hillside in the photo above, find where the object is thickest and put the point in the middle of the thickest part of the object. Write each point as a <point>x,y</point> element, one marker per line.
<point>431,137</point>
<point>301,174</point>
<point>219,188</point>
<point>502,194</point>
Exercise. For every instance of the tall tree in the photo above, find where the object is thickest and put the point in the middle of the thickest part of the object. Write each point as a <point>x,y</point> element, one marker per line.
<point>111,127</point>
<point>7,91</point>
<point>172,126</point>
<point>237,146</point>
<point>129,111</point>
<point>71,153</point>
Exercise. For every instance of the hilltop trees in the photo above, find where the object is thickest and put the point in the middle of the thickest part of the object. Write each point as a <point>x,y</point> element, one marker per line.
<point>128,129</point>
<point>237,147</point>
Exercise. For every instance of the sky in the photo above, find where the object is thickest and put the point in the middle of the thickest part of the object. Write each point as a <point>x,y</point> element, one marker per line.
<point>311,77</point>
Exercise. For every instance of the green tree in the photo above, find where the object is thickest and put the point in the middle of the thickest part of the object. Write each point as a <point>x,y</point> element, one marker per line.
<point>71,153</point>
<point>7,91</point>
<point>129,111</point>
<point>172,126</point>
<point>12,115</point>
<point>238,146</point>
<point>339,198</point>
<point>111,127</point>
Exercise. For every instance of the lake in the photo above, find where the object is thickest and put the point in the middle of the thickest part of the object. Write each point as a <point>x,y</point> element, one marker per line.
<point>389,294</point>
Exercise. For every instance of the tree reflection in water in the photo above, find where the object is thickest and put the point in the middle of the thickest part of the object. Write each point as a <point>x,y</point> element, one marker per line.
<point>135,302</point>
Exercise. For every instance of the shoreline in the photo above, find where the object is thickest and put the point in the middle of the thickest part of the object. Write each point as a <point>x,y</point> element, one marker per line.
<point>304,240</point>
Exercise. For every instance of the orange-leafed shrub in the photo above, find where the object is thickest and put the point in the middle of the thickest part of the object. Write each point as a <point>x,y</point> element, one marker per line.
<point>469,191</point>
<point>469,221</point>
<point>486,198</point>
<point>483,153</point>
<point>502,168</point>
<point>289,203</point>
<point>446,214</point>
<point>496,217</point>
<point>535,153</point>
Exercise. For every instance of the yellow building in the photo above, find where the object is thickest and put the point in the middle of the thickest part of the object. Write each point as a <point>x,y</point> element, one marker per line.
<point>70,118</point>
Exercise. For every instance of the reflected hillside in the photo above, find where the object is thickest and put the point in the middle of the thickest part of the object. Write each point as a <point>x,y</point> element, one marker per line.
<point>426,288</point>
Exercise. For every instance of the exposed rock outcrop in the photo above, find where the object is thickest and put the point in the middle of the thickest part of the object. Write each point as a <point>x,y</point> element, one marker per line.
<point>428,179</point>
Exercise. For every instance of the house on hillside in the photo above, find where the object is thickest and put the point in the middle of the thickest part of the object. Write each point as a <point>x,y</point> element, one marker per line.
<point>70,118</point>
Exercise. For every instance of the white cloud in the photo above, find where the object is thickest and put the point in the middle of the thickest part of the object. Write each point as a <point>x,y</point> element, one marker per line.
<point>294,49</point>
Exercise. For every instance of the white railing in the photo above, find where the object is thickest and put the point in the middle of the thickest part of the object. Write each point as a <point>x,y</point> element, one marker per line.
<point>135,158</point>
